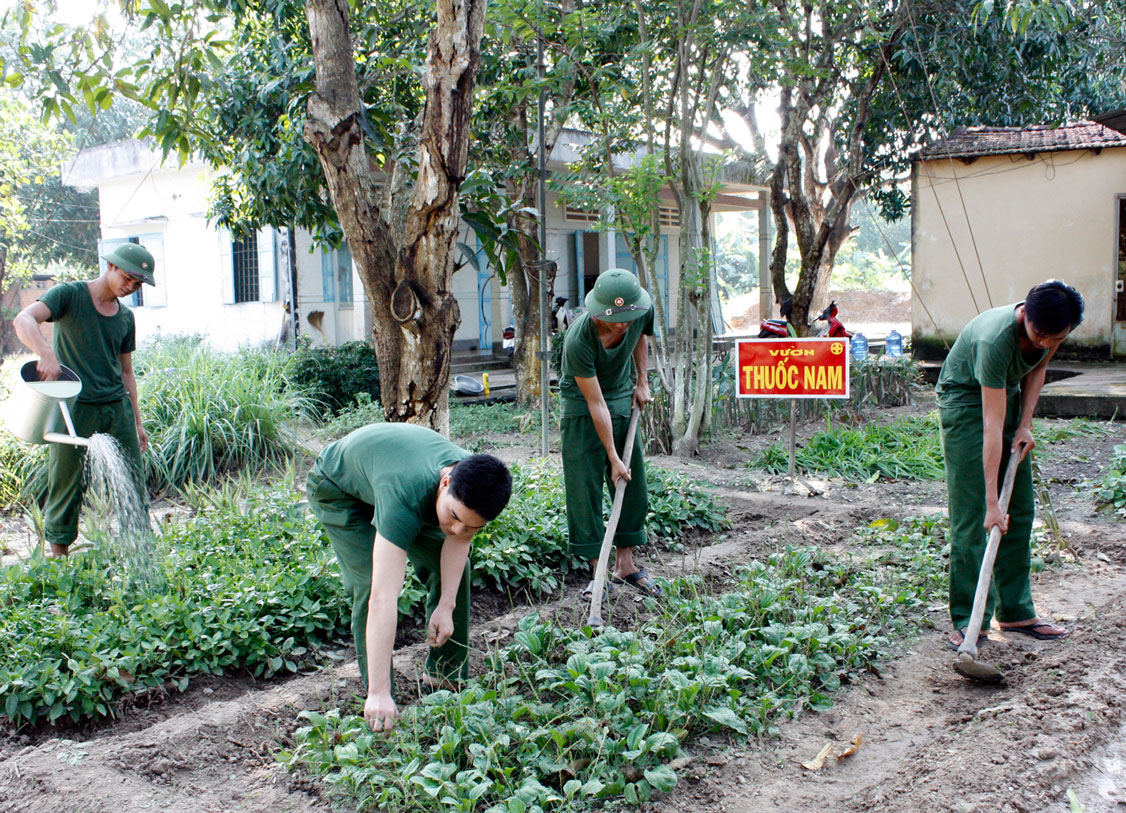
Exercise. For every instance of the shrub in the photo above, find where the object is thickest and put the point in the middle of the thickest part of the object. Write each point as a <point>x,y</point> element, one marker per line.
<point>336,375</point>
<point>207,412</point>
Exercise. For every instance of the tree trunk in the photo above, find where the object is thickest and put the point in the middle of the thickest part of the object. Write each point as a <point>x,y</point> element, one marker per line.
<point>526,292</point>
<point>408,284</point>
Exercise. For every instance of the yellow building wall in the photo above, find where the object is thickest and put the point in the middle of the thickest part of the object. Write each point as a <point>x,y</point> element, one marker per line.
<point>1051,216</point>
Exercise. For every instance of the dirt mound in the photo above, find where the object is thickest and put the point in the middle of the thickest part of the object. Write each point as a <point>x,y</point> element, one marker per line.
<point>856,307</point>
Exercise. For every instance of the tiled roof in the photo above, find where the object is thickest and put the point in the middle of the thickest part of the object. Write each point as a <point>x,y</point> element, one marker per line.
<point>973,142</point>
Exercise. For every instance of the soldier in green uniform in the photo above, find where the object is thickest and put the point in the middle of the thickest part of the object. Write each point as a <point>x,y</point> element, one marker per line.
<point>392,493</point>
<point>987,393</point>
<point>95,336</point>
<point>603,373</point>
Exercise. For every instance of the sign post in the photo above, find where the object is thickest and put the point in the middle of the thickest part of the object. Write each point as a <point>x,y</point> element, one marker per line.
<point>792,368</point>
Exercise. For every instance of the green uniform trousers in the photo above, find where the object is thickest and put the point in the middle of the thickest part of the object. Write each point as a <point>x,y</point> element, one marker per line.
<point>1010,592</point>
<point>586,470</point>
<point>65,482</point>
<point>348,523</point>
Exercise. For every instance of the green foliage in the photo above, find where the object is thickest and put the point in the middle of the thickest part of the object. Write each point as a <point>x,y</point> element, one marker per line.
<point>21,470</point>
<point>472,420</point>
<point>526,547</point>
<point>676,505</point>
<point>334,376</point>
<point>363,411</point>
<point>254,590</point>
<point>207,412</point>
<point>30,154</point>
<point>909,448</point>
<point>567,719</point>
<point>1111,492</point>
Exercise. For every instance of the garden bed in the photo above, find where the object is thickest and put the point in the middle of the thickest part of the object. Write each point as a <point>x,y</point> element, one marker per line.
<point>1025,745</point>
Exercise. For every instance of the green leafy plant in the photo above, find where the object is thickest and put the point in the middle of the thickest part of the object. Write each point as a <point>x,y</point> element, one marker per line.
<point>1110,493</point>
<point>255,590</point>
<point>334,376</point>
<point>584,719</point>
<point>909,448</point>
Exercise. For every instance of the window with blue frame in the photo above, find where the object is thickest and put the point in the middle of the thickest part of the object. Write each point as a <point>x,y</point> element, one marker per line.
<point>336,275</point>
<point>146,295</point>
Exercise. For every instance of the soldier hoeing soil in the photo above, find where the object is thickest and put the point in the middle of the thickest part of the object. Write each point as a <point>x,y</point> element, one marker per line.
<point>604,351</point>
<point>987,393</point>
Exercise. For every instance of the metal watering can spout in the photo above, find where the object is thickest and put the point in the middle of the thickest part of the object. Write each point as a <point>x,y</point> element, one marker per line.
<point>32,413</point>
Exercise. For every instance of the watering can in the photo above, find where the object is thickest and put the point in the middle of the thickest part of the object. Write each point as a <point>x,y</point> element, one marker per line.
<point>33,412</point>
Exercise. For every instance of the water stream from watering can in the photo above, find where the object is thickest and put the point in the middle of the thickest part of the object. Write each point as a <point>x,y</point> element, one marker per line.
<point>113,494</point>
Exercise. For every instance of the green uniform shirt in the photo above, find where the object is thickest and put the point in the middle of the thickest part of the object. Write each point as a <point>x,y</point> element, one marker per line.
<point>88,342</point>
<point>585,357</point>
<point>987,354</point>
<point>395,468</point>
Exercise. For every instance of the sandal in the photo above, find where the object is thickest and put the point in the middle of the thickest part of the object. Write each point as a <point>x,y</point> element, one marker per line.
<point>982,637</point>
<point>609,590</point>
<point>1036,630</point>
<point>641,580</point>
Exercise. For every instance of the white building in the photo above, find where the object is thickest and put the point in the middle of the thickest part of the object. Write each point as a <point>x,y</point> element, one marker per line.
<point>236,292</point>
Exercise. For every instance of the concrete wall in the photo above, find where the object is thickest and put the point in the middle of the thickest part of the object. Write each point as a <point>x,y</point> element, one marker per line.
<point>165,207</point>
<point>1051,216</point>
<point>338,321</point>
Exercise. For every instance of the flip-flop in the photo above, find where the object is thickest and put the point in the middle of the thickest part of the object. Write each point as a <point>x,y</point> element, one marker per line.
<point>641,580</point>
<point>1030,629</point>
<point>610,590</point>
<point>982,637</point>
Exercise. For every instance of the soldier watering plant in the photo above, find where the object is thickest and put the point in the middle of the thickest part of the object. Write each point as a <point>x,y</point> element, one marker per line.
<point>95,336</point>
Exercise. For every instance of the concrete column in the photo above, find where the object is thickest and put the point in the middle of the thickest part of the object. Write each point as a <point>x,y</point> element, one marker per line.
<point>765,290</point>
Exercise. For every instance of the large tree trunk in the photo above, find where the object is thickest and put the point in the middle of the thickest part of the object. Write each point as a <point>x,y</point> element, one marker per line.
<point>408,285</point>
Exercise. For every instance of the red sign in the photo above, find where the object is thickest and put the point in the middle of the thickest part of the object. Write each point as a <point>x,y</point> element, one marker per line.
<point>793,368</point>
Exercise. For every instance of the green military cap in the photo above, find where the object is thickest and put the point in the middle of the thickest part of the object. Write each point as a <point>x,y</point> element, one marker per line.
<point>617,296</point>
<point>135,260</point>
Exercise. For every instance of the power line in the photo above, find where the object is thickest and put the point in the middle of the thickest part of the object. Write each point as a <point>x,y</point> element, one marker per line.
<point>938,202</point>
<point>958,186</point>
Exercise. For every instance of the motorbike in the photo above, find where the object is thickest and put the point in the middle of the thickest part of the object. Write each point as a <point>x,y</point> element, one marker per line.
<point>508,341</point>
<point>783,329</point>
<point>779,328</point>
<point>834,328</point>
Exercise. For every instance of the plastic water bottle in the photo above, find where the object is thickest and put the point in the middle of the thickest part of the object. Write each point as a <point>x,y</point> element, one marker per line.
<point>893,344</point>
<point>859,346</point>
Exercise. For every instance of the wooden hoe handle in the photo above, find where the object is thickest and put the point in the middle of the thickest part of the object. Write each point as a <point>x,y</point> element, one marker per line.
<point>595,619</point>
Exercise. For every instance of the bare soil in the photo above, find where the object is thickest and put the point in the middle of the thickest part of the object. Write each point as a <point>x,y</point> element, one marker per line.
<point>929,740</point>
